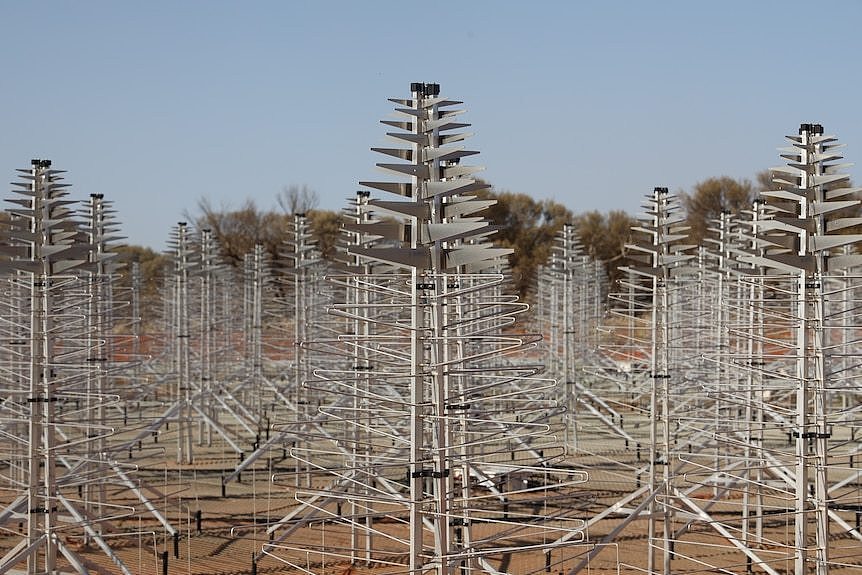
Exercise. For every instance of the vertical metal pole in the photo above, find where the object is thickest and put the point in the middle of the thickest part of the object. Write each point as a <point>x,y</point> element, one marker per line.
<point>136,295</point>
<point>183,374</point>
<point>802,382</point>
<point>820,429</point>
<point>41,432</point>
<point>655,397</point>
<point>417,383</point>
<point>205,330</point>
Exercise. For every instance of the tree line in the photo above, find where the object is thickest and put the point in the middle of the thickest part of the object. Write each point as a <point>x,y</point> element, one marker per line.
<point>526,224</point>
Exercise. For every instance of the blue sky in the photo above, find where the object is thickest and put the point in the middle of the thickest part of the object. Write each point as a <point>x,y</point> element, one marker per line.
<point>157,104</point>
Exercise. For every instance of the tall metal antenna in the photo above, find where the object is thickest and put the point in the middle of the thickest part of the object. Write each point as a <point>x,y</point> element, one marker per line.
<point>811,199</point>
<point>439,404</point>
<point>54,266</point>
<point>660,256</point>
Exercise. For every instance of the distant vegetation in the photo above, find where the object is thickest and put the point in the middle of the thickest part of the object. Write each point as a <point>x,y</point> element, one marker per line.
<point>526,224</point>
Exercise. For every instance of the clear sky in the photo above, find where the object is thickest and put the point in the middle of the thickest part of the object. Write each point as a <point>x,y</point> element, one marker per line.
<point>157,104</point>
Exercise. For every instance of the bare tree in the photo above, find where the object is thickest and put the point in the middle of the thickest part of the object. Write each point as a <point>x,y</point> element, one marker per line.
<point>238,230</point>
<point>295,199</point>
<point>709,198</point>
<point>528,226</point>
<point>604,236</point>
<point>763,181</point>
<point>326,230</point>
